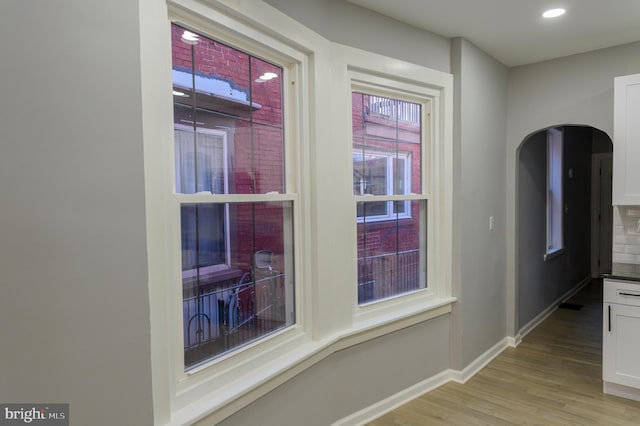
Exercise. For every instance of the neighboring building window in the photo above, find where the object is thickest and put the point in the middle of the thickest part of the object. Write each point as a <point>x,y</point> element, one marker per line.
<point>236,225</point>
<point>555,203</point>
<point>390,206</point>
<point>203,164</point>
<point>380,173</point>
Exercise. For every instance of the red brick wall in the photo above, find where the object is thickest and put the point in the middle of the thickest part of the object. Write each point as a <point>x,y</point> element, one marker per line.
<point>258,150</point>
<point>257,159</point>
<point>385,135</point>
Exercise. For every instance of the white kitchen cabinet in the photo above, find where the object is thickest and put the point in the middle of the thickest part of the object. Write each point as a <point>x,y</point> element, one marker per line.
<point>621,338</point>
<point>626,140</point>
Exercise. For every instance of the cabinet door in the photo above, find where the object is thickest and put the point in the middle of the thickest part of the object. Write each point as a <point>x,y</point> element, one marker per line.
<point>621,345</point>
<point>626,140</point>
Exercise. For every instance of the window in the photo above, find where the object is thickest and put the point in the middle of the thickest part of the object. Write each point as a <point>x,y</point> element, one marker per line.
<point>380,173</point>
<point>236,224</point>
<point>206,172</point>
<point>387,176</point>
<point>555,203</point>
<point>249,236</point>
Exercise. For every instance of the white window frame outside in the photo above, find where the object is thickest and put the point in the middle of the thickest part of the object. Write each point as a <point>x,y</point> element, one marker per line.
<point>371,74</point>
<point>555,194</point>
<point>389,157</point>
<point>203,198</point>
<point>191,273</point>
<point>185,389</point>
<point>316,76</point>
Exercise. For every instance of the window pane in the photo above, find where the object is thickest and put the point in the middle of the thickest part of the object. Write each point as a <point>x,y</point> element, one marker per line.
<point>259,160</point>
<point>555,202</point>
<point>373,210</point>
<point>219,90</point>
<point>203,236</point>
<point>390,129</point>
<point>200,161</point>
<point>182,64</point>
<point>370,174</point>
<point>266,92</point>
<point>237,275</point>
<point>390,261</point>
<point>219,74</point>
<point>399,176</point>
<point>358,114</point>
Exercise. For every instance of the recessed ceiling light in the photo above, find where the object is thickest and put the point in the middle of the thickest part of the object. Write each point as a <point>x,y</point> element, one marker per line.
<point>189,37</point>
<point>553,13</point>
<point>266,77</point>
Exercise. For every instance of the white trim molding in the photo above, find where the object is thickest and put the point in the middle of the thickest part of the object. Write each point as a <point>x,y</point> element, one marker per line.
<point>380,408</point>
<point>621,391</point>
<point>549,310</point>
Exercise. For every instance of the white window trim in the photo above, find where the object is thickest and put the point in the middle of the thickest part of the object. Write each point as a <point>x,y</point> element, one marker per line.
<point>191,273</point>
<point>238,379</point>
<point>389,188</point>
<point>369,73</point>
<point>179,396</point>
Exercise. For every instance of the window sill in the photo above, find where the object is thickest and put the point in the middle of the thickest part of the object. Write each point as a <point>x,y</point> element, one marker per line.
<point>553,254</point>
<point>257,382</point>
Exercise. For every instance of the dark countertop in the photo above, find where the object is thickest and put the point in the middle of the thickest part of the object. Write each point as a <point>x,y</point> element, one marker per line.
<point>623,271</point>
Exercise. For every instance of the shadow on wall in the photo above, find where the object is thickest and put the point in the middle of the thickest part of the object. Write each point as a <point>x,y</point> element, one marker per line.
<point>545,276</point>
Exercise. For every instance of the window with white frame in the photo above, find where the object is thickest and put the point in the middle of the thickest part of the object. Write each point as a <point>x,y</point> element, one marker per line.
<point>254,137</point>
<point>555,203</point>
<point>380,173</point>
<point>235,215</point>
<point>391,206</point>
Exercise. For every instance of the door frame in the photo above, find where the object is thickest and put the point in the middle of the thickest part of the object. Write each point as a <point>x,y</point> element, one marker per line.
<point>596,158</point>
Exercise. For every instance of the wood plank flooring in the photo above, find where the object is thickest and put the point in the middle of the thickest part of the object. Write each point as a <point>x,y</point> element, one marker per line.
<point>554,377</point>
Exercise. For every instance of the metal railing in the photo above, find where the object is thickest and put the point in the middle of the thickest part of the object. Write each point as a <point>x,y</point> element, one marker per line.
<point>387,275</point>
<point>394,109</point>
<point>217,320</point>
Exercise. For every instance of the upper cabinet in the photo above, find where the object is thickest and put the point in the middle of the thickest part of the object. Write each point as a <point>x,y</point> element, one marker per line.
<point>626,140</point>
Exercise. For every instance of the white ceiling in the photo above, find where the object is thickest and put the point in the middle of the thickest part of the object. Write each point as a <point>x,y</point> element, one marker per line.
<point>514,32</point>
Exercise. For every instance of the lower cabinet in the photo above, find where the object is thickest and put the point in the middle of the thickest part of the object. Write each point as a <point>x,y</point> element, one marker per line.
<point>621,337</point>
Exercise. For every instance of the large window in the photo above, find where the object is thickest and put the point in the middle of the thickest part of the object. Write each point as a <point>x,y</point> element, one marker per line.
<point>555,203</point>
<point>391,209</point>
<point>236,224</point>
<point>266,195</point>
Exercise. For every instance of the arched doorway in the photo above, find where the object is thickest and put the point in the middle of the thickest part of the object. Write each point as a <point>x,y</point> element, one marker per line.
<point>546,274</point>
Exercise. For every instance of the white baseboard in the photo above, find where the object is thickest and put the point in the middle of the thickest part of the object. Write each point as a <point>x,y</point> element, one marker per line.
<point>376,410</point>
<point>513,342</point>
<point>621,391</point>
<point>380,408</point>
<point>479,363</point>
<point>549,310</point>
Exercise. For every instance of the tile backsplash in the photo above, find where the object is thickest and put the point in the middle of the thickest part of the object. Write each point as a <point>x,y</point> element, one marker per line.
<point>626,234</point>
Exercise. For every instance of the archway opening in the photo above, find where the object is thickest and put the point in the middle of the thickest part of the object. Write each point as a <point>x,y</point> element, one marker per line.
<point>564,217</point>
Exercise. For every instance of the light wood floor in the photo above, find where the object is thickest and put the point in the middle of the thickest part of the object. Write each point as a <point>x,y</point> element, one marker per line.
<point>554,377</point>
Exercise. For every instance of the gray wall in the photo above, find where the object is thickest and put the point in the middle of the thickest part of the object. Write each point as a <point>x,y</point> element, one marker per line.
<point>74,307</point>
<point>572,90</point>
<point>355,378</point>
<point>351,25</point>
<point>352,379</point>
<point>479,320</point>
<point>479,193</point>
<point>540,282</point>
